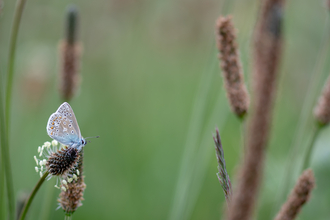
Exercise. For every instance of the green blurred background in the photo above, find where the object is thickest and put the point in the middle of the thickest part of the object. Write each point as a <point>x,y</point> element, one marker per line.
<point>151,88</point>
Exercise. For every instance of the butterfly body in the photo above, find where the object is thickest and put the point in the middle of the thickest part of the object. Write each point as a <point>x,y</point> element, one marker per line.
<point>63,127</point>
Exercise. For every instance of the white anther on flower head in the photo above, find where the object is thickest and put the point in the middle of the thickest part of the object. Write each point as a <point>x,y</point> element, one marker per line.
<point>35,158</point>
<point>64,182</point>
<point>40,174</point>
<point>41,168</point>
<point>54,143</point>
<point>78,173</point>
<point>70,179</point>
<point>44,161</point>
<point>47,144</point>
<point>37,169</point>
<point>56,186</point>
<point>75,177</point>
<point>63,188</point>
<point>39,149</point>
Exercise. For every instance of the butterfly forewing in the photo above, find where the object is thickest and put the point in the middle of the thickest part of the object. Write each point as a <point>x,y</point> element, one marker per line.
<point>63,127</point>
<point>66,110</point>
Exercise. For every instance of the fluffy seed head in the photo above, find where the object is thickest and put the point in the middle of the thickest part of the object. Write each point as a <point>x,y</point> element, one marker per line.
<point>70,198</point>
<point>298,197</point>
<point>231,66</point>
<point>322,109</point>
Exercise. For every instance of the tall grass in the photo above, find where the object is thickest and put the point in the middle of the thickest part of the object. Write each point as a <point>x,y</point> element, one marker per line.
<point>126,99</point>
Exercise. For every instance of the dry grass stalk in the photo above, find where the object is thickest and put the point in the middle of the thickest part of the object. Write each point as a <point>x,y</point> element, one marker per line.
<point>70,53</point>
<point>267,52</point>
<point>72,197</point>
<point>231,66</point>
<point>322,110</point>
<point>298,197</point>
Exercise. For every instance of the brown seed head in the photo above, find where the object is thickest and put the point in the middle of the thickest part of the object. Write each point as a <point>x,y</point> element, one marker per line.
<point>72,197</point>
<point>267,52</point>
<point>298,197</point>
<point>328,4</point>
<point>69,64</point>
<point>231,66</point>
<point>322,110</point>
<point>62,161</point>
<point>70,53</point>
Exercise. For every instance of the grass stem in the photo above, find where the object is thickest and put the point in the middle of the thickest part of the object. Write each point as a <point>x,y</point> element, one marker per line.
<point>2,190</point>
<point>11,56</point>
<point>205,153</point>
<point>31,197</point>
<point>7,175</point>
<point>304,117</point>
<point>195,129</point>
<point>5,110</point>
<point>309,151</point>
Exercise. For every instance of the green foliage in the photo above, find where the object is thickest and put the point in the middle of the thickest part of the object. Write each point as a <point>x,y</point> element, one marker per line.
<point>141,69</point>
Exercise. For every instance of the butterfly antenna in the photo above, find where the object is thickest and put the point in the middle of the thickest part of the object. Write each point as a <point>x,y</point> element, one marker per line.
<point>92,137</point>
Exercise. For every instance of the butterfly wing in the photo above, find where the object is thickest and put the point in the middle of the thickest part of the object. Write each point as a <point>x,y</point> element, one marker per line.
<point>63,127</point>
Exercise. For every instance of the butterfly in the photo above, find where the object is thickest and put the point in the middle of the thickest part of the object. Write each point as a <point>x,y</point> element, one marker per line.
<point>63,127</point>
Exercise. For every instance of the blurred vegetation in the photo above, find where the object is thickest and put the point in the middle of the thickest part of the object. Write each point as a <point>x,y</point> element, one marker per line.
<point>142,66</point>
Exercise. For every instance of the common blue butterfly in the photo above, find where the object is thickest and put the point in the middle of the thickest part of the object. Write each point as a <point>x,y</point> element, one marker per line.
<point>63,127</point>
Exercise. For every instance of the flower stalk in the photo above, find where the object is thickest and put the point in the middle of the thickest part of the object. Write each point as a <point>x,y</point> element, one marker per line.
<point>5,163</point>
<point>70,53</point>
<point>11,56</point>
<point>322,118</point>
<point>309,152</point>
<point>33,193</point>
<point>5,110</point>
<point>267,54</point>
